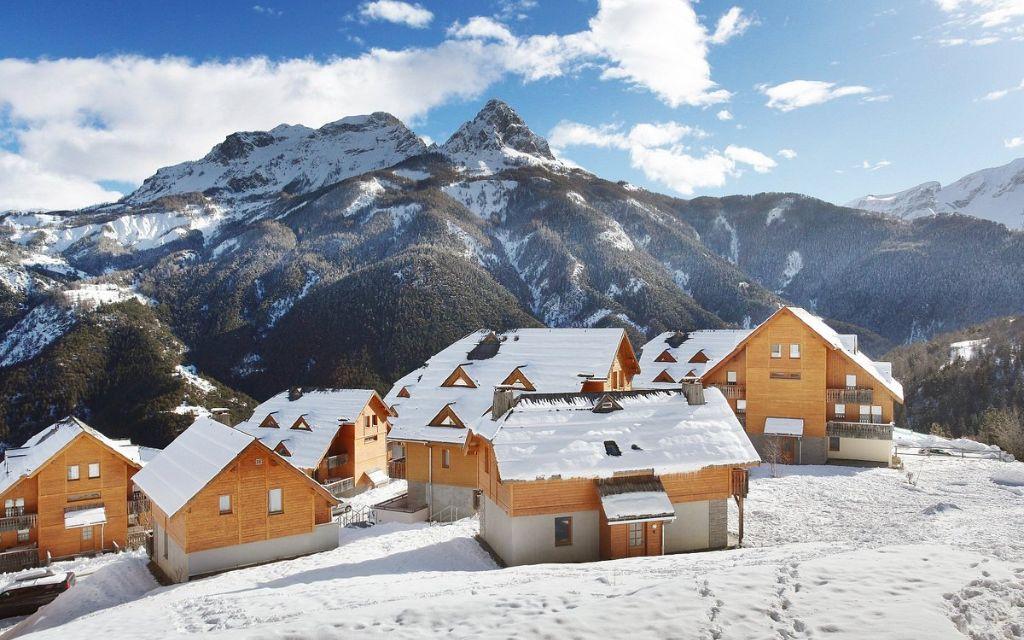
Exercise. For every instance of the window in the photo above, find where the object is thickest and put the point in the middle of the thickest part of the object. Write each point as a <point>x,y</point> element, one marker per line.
<point>274,500</point>
<point>794,351</point>
<point>865,413</point>
<point>487,463</point>
<point>369,439</point>
<point>730,377</point>
<point>776,350</point>
<point>840,410</point>
<point>225,504</point>
<point>23,535</point>
<point>833,443</point>
<point>563,531</point>
<point>86,533</point>
<point>446,459</point>
<point>741,405</point>
<point>73,472</point>
<point>636,534</point>
<point>165,543</point>
<point>876,414</point>
<point>851,381</point>
<point>14,507</point>
<point>94,469</point>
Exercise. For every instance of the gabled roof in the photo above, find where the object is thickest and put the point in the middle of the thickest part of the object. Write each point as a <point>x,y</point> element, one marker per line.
<point>714,343</point>
<point>323,410</point>
<point>554,360</point>
<point>845,344</point>
<point>196,457</point>
<point>546,436</point>
<point>28,459</point>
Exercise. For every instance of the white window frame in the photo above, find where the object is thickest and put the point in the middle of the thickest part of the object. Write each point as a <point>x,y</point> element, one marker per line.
<point>730,377</point>
<point>741,404</point>
<point>93,465</point>
<point>73,472</point>
<point>635,535</point>
<point>277,493</point>
<point>24,535</point>
<point>777,350</point>
<point>223,500</point>
<point>446,458</point>
<point>794,351</point>
<point>841,410</point>
<point>865,413</point>
<point>851,381</point>
<point>876,414</point>
<point>86,533</point>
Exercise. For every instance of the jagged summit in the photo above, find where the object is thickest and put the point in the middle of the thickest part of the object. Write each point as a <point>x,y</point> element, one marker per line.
<point>495,139</point>
<point>290,158</point>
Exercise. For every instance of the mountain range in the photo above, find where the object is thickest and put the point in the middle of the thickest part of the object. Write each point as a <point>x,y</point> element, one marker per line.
<point>347,255</point>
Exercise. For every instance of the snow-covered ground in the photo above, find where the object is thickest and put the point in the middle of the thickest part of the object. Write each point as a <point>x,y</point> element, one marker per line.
<point>830,552</point>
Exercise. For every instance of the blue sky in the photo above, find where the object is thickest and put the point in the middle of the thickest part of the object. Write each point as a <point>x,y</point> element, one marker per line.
<point>859,97</point>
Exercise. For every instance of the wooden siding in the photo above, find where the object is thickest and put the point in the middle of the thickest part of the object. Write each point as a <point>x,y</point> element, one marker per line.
<point>248,480</point>
<point>462,473</point>
<point>615,540</point>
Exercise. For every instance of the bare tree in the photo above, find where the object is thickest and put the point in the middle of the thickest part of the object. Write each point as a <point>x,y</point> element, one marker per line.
<point>772,450</point>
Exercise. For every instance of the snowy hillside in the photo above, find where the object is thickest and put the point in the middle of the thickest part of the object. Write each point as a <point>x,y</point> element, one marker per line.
<point>833,552</point>
<point>994,194</point>
<point>290,158</point>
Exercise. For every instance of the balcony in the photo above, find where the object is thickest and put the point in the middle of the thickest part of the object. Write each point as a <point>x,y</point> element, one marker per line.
<point>859,430</point>
<point>338,488</point>
<point>15,518</point>
<point>335,462</point>
<point>732,391</point>
<point>19,558</point>
<point>849,396</point>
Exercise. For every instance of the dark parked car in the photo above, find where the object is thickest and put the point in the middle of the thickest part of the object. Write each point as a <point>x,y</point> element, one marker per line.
<point>29,592</point>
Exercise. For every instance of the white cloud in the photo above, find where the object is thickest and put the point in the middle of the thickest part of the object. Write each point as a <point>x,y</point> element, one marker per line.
<point>26,185</point>
<point>804,93</point>
<point>267,11</point>
<point>868,166</point>
<point>1002,93</point>
<point>987,13</point>
<point>1013,143</point>
<point>788,154</point>
<point>732,23</point>
<point>123,117</point>
<point>724,115</point>
<point>658,150</point>
<point>974,42</point>
<point>412,15</point>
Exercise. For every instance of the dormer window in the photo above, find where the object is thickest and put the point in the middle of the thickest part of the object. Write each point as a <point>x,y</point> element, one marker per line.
<point>664,376</point>
<point>699,358</point>
<point>446,418</point>
<point>665,356</point>
<point>301,424</point>
<point>518,380</point>
<point>459,378</point>
<point>282,450</point>
<point>270,422</point>
<point>607,404</point>
<point>404,392</point>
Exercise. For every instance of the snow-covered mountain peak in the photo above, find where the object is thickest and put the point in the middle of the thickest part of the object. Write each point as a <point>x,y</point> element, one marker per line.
<point>293,158</point>
<point>994,194</point>
<point>495,139</point>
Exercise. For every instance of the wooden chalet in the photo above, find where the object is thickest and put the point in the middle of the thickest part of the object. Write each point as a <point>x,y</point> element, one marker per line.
<point>222,499</point>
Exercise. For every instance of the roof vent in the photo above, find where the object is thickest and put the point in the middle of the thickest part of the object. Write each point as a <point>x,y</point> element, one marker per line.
<point>294,394</point>
<point>612,448</point>
<point>677,338</point>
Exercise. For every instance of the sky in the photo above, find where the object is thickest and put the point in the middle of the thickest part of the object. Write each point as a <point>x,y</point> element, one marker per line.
<point>834,99</point>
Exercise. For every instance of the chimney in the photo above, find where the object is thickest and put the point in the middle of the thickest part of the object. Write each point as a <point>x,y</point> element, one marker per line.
<point>694,392</point>
<point>504,398</point>
<point>222,415</point>
<point>294,394</point>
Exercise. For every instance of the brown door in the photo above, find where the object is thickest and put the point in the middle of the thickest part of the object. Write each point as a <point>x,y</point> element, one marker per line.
<point>636,539</point>
<point>788,451</point>
<point>89,541</point>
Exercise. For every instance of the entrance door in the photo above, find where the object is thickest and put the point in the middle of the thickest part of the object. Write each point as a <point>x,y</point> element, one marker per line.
<point>789,449</point>
<point>89,541</point>
<point>636,539</point>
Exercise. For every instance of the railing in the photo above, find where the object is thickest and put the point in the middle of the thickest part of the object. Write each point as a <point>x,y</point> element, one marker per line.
<point>363,516</point>
<point>138,506</point>
<point>849,396</point>
<point>339,487</point>
<point>17,519</point>
<point>137,538</point>
<point>396,468</point>
<point>732,391</point>
<point>18,559</point>
<point>861,430</point>
<point>448,515</point>
<point>335,461</point>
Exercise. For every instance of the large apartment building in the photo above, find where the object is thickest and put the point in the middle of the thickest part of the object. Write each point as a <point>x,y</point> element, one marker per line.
<point>436,405</point>
<point>804,392</point>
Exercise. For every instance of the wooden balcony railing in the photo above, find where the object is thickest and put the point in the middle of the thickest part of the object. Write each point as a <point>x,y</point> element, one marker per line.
<point>19,558</point>
<point>15,518</point>
<point>732,391</point>
<point>861,430</point>
<point>396,468</point>
<point>338,488</point>
<point>138,505</point>
<point>849,396</point>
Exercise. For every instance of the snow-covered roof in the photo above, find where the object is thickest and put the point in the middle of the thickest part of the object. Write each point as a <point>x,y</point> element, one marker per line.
<point>85,517</point>
<point>715,343</point>
<point>635,499</point>
<point>190,462</point>
<point>880,371</point>
<point>323,411</point>
<point>548,436</point>
<point>553,360</point>
<point>784,426</point>
<point>25,460</point>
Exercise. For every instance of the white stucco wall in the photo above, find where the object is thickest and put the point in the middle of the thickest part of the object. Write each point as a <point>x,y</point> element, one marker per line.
<point>531,539</point>
<point>863,449</point>
<point>323,538</point>
<point>175,565</point>
<point>691,530</point>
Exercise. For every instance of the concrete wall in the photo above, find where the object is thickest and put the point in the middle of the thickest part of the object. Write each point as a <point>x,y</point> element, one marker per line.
<point>531,539</point>
<point>698,526</point>
<point>405,517</point>
<point>323,538</point>
<point>440,496</point>
<point>175,565</point>
<point>863,449</point>
<point>810,450</point>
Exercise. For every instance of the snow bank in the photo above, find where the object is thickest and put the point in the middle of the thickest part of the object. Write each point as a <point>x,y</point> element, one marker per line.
<point>915,440</point>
